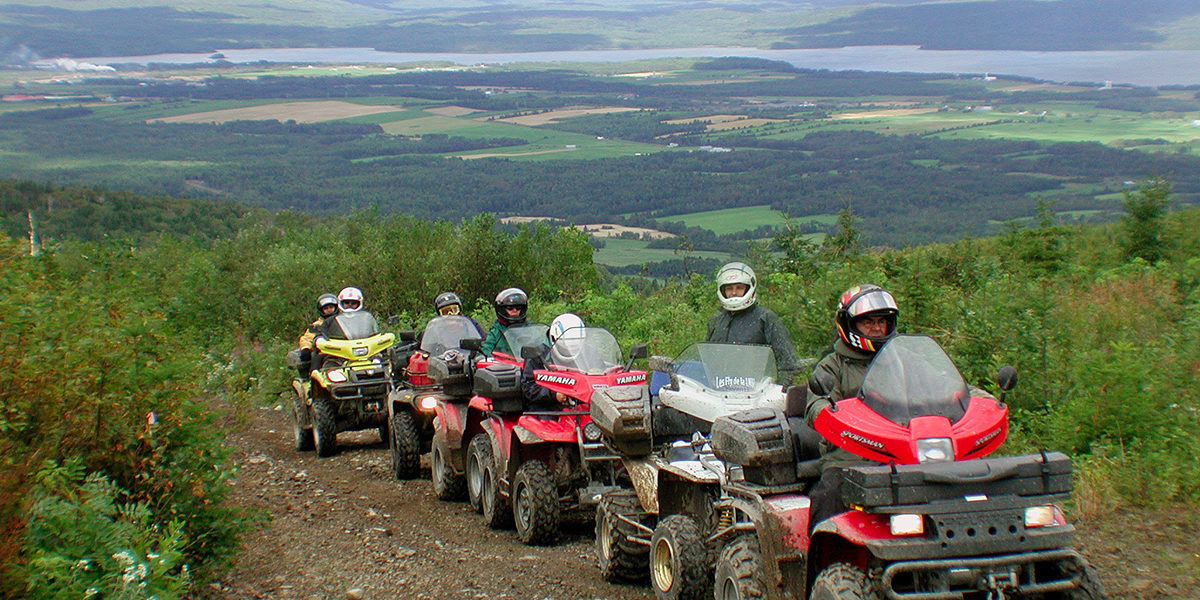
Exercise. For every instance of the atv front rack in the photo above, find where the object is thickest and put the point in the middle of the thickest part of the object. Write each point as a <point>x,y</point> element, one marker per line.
<point>1016,574</point>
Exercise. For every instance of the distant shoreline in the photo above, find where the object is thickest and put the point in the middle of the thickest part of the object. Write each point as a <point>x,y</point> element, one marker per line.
<point>1133,67</point>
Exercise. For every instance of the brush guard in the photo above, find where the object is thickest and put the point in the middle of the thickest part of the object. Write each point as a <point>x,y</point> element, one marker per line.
<point>999,576</point>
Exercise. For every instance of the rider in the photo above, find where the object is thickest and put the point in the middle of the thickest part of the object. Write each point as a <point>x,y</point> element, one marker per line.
<point>447,303</point>
<point>566,331</point>
<point>327,306</point>
<point>866,319</point>
<point>351,321</point>
<point>742,320</point>
<point>511,305</point>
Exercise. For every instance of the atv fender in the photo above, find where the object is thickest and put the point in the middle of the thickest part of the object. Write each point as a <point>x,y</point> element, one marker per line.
<point>532,430</point>
<point>644,475</point>
<point>780,524</point>
<point>451,423</point>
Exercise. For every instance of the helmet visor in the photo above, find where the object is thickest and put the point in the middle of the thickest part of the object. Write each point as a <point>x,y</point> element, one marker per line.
<point>872,301</point>
<point>450,309</point>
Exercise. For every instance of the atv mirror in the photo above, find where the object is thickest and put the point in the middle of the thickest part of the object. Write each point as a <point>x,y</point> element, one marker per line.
<point>528,352</point>
<point>392,320</point>
<point>408,335</point>
<point>796,401</point>
<point>471,343</point>
<point>638,351</point>
<point>821,383</point>
<point>1007,378</point>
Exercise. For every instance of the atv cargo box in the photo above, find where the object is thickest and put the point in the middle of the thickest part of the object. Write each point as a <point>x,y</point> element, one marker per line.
<point>1048,473</point>
<point>501,383</point>
<point>450,370</point>
<point>623,414</point>
<point>760,440</point>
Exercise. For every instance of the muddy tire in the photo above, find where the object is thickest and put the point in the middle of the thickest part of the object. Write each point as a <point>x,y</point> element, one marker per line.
<point>535,504</point>
<point>1089,587</point>
<point>478,456</point>
<point>680,560</point>
<point>841,581</point>
<point>497,510</point>
<point>619,557</point>
<point>324,427</point>
<point>302,435</point>
<point>739,571</point>
<point>405,445</point>
<point>447,484</point>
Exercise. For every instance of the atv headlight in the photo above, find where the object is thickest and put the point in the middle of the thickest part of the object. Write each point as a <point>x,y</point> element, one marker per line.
<point>1040,516</point>
<point>428,402</point>
<point>336,376</point>
<point>935,450</point>
<point>906,524</point>
<point>592,432</point>
<point>360,350</point>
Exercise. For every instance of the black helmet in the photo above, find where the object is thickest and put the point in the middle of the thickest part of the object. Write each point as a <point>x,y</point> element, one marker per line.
<point>325,300</point>
<point>860,301</point>
<point>511,298</point>
<point>448,303</point>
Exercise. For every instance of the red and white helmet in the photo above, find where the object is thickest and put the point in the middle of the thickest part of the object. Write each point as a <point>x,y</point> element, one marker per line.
<point>350,299</point>
<point>859,301</point>
<point>736,272</point>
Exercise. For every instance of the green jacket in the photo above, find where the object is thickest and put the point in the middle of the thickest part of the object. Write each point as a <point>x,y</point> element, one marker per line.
<point>495,339</point>
<point>848,366</point>
<point>757,325</point>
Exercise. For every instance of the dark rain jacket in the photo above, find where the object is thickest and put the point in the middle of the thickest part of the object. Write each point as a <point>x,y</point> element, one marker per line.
<point>495,341</point>
<point>757,325</point>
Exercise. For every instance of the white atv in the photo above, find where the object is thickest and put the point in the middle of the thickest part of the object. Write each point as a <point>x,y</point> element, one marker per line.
<point>660,523</point>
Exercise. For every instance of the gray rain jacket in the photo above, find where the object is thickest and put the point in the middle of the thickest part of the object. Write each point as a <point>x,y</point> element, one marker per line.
<point>757,325</point>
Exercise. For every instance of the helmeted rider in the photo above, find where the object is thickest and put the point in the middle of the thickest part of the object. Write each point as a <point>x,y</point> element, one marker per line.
<point>742,320</point>
<point>511,304</point>
<point>448,303</point>
<point>866,318</point>
<point>352,321</point>
<point>566,335</point>
<point>327,306</point>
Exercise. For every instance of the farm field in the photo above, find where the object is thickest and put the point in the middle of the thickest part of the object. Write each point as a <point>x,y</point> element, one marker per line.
<point>731,220</point>
<point>619,252</point>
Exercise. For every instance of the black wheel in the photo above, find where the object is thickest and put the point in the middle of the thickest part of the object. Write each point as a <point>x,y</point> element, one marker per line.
<point>447,484</point>
<point>303,435</point>
<point>841,581</point>
<point>1089,585</point>
<point>324,427</point>
<point>739,571</point>
<point>535,504</point>
<point>478,455</point>
<point>680,560</point>
<point>405,445</point>
<point>497,511</point>
<point>620,558</point>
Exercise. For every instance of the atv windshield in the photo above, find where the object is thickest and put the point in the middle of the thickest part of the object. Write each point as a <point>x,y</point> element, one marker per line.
<point>727,367</point>
<point>590,350</point>
<point>356,325</point>
<point>447,333</point>
<point>526,334</point>
<point>911,376</point>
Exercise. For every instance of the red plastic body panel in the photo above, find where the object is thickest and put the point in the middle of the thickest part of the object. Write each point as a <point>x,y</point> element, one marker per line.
<point>862,431</point>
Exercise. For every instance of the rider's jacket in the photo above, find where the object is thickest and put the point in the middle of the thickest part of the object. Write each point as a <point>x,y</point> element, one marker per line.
<point>495,341</point>
<point>349,326</point>
<point>757,325</point>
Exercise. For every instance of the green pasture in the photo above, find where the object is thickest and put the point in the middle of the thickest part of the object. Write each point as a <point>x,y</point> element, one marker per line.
<point>622,252</point>
<point>730,220</point>
<point>1101,128</point>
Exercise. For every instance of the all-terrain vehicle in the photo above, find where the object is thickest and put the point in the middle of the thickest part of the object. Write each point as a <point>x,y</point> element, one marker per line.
<point>412,401</point>
<point>660,523</point>
<point>937,520</point>
<point>349,391</point>
<point>302,427</point>
<point>470,385</point>
<point>550,465</point>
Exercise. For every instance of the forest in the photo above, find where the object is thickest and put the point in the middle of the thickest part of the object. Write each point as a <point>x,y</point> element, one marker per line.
<point>128,350</point>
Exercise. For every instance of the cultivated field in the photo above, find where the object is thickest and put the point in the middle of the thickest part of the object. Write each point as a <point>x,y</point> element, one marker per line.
<point>730,220</point>
<point>551,116</point>
<point>300,112</point>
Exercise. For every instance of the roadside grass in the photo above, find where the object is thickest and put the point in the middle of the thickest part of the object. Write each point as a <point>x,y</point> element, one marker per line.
<point>730,220</point>
<point>619,252</point>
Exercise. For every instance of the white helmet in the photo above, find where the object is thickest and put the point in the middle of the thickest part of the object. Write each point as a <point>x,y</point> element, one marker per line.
<point>566,334</point>
<point>736,272</point>
<point>350,299</point>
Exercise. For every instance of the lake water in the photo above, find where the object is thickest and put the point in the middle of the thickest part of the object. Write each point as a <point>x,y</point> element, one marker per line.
<point>1145,68</point>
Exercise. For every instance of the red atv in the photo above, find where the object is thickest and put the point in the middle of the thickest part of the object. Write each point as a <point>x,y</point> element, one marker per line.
<point>549,464</point>
<point>470,384</point>
<point>938,521</point>
<point>411,403</point>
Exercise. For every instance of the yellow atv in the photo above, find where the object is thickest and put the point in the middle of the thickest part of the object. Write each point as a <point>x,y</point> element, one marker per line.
<point>350,385</point>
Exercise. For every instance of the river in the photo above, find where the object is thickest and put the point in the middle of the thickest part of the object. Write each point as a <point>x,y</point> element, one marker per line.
<point>1143,68</point>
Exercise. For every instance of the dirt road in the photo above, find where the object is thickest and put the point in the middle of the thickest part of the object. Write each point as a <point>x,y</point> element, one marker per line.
<point>341,527</point>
